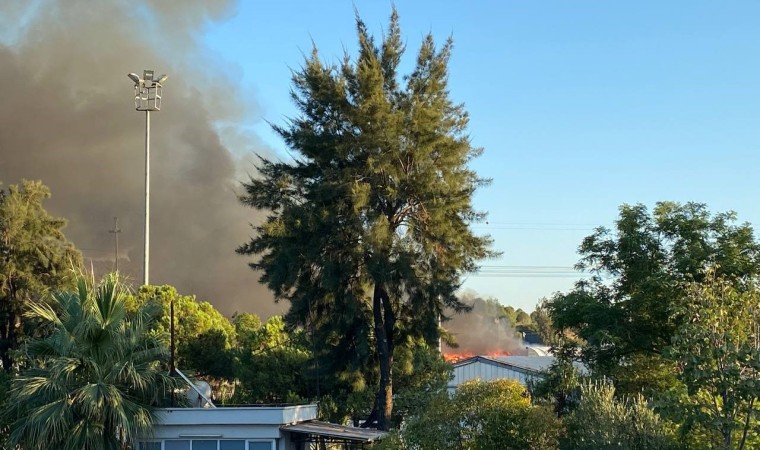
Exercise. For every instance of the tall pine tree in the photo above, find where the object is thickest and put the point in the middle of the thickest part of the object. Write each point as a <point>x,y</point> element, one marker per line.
<point>368,228</point>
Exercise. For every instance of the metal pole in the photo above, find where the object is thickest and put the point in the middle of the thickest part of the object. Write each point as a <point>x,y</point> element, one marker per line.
<point>116,232</point>
<point>146,261</point>
<point>171,338</point>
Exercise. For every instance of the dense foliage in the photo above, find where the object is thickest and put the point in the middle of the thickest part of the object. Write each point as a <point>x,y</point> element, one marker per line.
<point>558,386</point>
<point>368,229</point>
<point>716,348</point>
<point>603,422</point>
<point>271,365</point>
<point>35,259</point>
<point>203,335</point>
<point>480,415</point>
<point>94,379</point>
<point>624,315</point>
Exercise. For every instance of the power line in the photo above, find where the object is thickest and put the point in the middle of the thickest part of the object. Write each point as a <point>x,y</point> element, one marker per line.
<point>529,275</point>
<point>507,271</point>
<point>537,226</point>
<point>498,266</point>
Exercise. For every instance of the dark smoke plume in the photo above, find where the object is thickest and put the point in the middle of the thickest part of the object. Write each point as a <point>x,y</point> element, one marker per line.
<point>67,118</point>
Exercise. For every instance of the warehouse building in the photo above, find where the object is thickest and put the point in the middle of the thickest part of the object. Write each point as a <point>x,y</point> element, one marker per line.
<point>487,368</point>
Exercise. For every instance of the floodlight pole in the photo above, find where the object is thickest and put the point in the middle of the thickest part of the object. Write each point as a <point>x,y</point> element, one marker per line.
<point>146,254</point>
<point>148,92</point>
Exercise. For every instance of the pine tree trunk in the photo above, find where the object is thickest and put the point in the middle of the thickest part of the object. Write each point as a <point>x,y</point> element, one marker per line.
<point>7,328</point>
<point>384,323</point>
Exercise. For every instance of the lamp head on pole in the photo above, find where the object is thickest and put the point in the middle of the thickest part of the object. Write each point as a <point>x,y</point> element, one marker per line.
<point>148,90</point>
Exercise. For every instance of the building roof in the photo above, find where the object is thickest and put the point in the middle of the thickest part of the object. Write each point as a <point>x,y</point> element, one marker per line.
<point>526,364</point>
<point>531,364</point>
<point>335,433</point>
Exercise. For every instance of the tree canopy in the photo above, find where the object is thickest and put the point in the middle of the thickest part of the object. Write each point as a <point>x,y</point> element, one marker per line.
<point>480,415</point>
<point>368,229</point>
<point>716,348</point>
<point>601,422</point>
<point>35,258</point>
<point>640,272</point>
<point>272,365</point>
<point>95,378</point>
<point>202,335</point>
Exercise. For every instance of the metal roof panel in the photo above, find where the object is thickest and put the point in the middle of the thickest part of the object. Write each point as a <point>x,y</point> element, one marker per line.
<point>316,427</point>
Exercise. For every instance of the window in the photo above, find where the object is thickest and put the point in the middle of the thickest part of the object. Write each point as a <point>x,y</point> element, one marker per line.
<point>149,446</point>
<point>232,445</point>
<point>205,444</point>
<point>177,445</point>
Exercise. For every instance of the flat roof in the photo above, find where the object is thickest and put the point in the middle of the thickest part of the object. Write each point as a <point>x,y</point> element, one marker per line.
<point>335,431</point>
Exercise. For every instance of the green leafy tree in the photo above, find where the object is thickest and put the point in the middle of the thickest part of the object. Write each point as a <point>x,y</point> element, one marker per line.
<point>495,414</point>
<point>510,313</point>
<point>543,325</point>
<point>421,374</point>
<point>368,226</point>
<point>95,379</point>
<point>603,422</point>
<point>35,258</point>
<point>648,374</point>
<point>272,363</point>
<point>247,329</point>
<point>202,333</point>
<point>208,355</point>
<point>437,428</point>
<point>624,310</point>
<point>522,318</point>
<point>480,416</point>
<point>717,352</point>
<point>559,385</point>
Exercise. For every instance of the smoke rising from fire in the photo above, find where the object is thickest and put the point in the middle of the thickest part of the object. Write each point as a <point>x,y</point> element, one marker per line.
<point>483,331</point>
<point>67,118</point>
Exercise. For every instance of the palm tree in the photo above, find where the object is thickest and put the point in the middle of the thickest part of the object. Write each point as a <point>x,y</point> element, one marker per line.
<point>95,378</point>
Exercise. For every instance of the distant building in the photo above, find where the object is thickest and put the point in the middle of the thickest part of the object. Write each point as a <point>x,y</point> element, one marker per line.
<point>486,368</point>
<point>538,350</point>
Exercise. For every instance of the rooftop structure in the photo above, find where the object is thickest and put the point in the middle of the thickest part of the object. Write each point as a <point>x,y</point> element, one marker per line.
<point>265,427</point>
<point>486,368</point>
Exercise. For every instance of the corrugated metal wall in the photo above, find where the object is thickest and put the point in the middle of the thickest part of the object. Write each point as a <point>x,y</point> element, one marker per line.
<point>480,370</point>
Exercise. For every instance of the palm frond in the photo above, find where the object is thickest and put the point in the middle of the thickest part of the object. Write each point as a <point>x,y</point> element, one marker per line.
<point>95,377</point>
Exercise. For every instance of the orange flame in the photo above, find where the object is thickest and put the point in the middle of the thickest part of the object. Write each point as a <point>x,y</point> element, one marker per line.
<point>456,357</point>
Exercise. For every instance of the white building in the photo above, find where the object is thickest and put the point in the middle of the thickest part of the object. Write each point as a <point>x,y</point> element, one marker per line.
<point>292,427</point>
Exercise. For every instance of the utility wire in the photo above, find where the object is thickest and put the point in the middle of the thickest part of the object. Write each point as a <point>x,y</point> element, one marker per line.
<point>506,271</point>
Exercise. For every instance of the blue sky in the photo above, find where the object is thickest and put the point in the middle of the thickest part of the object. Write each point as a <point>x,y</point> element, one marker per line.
<point>580,106</point>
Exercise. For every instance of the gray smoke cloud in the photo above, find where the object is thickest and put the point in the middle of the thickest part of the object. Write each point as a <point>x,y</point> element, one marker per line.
<point>482,331</point>
<point>67,118</point>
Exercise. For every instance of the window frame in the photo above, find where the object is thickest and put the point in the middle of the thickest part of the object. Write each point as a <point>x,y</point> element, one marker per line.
<point>248,441</point>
